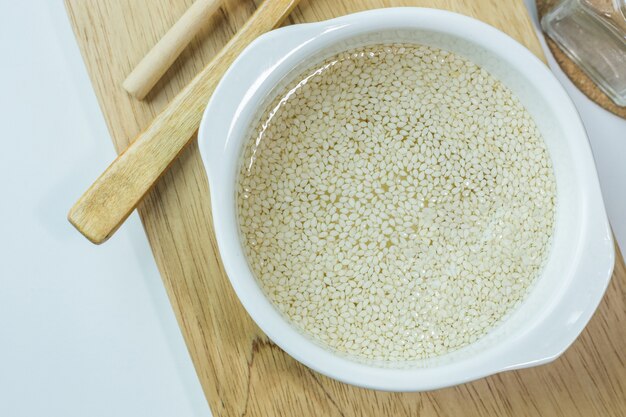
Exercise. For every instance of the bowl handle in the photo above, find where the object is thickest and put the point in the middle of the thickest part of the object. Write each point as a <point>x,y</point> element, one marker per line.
<point>241,80</point>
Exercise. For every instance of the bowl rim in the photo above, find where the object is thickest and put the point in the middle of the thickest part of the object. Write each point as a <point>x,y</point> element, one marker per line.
<point>598,238</point>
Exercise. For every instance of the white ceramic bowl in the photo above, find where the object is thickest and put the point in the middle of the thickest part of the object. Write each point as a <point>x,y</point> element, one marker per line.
<point>581,258</point>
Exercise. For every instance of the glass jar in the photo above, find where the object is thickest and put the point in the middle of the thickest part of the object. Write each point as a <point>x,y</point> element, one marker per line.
<point>593,34</point>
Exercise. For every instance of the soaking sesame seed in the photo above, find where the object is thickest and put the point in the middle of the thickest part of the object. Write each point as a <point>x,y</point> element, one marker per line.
<point>395,202</point>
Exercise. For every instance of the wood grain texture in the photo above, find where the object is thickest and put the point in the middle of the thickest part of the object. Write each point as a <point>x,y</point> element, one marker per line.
<point>242,373</point>
<point>157,61</point>
<point>115,194</point>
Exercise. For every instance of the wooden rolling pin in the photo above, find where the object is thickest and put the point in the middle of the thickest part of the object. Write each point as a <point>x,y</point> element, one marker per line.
<point>156,62</point>
<point>114,195</point>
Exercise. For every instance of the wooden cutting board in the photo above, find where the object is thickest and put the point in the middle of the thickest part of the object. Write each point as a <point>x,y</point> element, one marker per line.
<point>241,371</point>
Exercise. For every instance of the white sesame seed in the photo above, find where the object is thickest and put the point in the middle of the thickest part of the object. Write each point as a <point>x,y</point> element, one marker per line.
<point>397,204</point>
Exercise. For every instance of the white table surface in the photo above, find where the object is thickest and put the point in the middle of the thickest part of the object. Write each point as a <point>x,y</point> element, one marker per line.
<point>84,329</point>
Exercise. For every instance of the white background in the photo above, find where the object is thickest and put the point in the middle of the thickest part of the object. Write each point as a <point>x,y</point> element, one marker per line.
<point>84,330</point>
<point>88,330</point>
